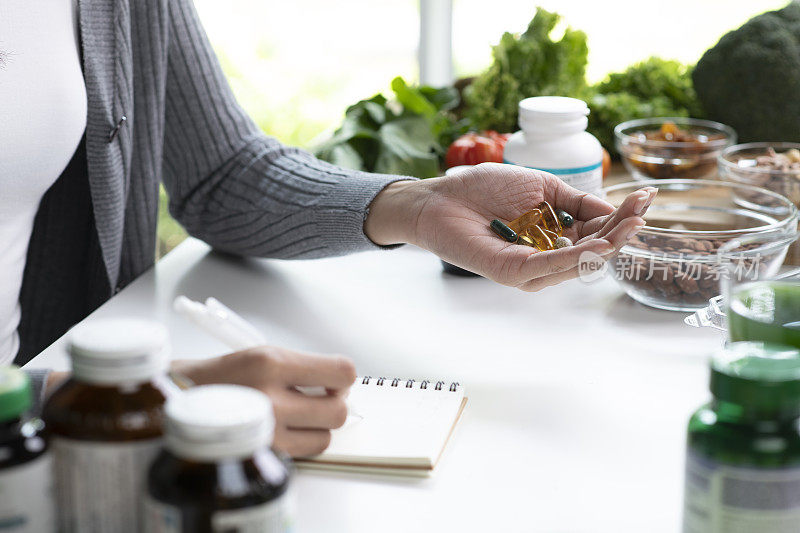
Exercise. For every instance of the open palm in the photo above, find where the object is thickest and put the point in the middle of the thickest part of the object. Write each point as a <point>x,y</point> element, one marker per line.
<point>454,223</point>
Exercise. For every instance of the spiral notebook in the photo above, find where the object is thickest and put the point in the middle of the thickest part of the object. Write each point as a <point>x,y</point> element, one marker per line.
<point>395,426</point>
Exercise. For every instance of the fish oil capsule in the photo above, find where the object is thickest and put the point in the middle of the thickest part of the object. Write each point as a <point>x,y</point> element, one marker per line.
<point>549,218</point>
<point>539,237</point>
<point>531,218</point>
<point>551,234</point>
<point>524,239</point>
<point>105,423</point>
<point>217,472</point>
<point>541,227</point>
<point>26,499</point>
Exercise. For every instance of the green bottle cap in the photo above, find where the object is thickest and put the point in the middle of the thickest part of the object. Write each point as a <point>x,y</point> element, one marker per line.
<point>757,374</point>
<point>15,393</point>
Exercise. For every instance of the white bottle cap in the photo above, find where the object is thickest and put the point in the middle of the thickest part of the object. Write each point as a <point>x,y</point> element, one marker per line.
<point>553,112</point>
<point>119,350</point>
<point>213,422</point>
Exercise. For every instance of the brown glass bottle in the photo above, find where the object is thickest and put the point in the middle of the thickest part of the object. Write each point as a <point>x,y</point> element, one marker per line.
<point>106,422</point>
<point>217,472</point>
<point>198,491</point>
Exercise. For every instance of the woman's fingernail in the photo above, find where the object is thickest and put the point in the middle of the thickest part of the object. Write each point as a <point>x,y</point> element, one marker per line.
<point>651,195</point>
<point>636,229</point>
<point>641,203</point>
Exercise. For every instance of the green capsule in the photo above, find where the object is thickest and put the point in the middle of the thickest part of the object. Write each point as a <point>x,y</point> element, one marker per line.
<point>504,231</point>
<point>566,219</point>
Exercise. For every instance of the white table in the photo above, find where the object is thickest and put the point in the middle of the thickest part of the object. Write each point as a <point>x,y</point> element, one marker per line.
<point>578,396</point>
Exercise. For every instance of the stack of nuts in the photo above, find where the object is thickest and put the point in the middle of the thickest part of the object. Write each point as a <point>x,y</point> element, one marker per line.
<point>682,271</point>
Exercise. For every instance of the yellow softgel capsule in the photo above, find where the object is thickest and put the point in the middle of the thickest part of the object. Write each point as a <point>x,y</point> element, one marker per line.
<point>539,228</point>
<point>539,237</point>
<point>552,234</point>
<point>531,218</point>
<point>523,239</point>
<point>549,218</point>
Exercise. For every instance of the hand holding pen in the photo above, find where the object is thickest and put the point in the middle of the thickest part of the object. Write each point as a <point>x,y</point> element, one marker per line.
<point>303,421</point>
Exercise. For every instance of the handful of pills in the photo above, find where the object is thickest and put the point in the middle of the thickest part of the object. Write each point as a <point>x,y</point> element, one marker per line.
<point>540,228</point>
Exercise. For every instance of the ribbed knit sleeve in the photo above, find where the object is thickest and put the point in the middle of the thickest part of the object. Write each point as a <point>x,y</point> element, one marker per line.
<point>237,189</point>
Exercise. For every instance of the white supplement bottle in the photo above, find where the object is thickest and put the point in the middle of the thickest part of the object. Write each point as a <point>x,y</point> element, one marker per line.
<point>553,138</point>
<point>105,423</point>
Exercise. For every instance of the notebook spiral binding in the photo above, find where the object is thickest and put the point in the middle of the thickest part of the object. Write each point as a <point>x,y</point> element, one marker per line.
<point>409,383</point>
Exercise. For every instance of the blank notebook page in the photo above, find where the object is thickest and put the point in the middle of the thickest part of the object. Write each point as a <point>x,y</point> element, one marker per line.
<point>405,425</point>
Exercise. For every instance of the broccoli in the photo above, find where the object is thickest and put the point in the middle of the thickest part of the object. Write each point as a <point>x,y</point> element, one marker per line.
<point>750,79</point>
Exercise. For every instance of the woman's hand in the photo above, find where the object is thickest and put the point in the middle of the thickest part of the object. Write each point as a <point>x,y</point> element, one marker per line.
<point>450,216</point>
<point>302,422</point>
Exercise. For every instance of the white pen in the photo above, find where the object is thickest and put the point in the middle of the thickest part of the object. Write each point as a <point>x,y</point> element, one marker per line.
<point>219,324</point>
<point>225,325</point>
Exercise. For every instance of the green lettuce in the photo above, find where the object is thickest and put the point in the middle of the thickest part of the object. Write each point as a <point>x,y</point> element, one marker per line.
<point>530,64</point>
<point>407,135</point>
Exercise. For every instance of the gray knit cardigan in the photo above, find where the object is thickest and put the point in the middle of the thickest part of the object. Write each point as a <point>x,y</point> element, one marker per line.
<point>161,110</point>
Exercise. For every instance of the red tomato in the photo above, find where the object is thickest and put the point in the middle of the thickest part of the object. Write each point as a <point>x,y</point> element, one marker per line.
<point>474,148</point>
<point>500,137</point>
<point>606,163</point>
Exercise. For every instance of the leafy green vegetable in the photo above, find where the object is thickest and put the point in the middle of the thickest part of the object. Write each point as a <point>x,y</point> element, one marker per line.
<point>531,64</point>
<point>608,110</point>
<point>656,77</point>
<point>652,88</point>
<point>750,79</point>
<point>408,135</point>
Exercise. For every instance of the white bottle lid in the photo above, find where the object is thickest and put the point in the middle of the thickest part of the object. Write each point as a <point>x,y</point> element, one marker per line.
<point>119,350</point>
<point>213,422</point>
<point>553,113</point>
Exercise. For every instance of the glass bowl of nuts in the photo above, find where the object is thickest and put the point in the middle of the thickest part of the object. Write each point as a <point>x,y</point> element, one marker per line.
<point>774,166</point>
<point>672,262</point>
<point>672,148</point>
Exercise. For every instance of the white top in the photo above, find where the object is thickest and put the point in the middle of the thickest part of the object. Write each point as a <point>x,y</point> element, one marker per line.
<point>42,119</point>
<point>578,396</point>
<point>214,422</point>
<point>119,350</point>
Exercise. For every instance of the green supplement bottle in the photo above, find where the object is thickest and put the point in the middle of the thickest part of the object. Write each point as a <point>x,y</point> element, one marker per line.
<point>106,423</point>
<point>26,500</point>
<point>743,447</point>
<point>766,311</point>
<point>217,473</point>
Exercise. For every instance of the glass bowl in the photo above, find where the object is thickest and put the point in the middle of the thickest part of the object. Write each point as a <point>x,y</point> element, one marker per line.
<point>672,263</point>
<point>741,163</point>
<point>745,163</point>
<point>647,158</point>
